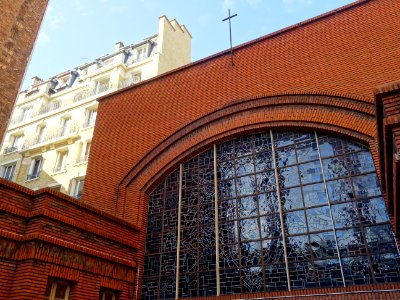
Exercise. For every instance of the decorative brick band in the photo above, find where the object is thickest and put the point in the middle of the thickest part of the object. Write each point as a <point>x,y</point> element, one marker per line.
<point>339,116</point>
<point>305,107</point>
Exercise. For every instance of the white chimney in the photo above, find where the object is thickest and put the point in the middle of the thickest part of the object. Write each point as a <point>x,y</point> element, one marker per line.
<point>118,46</point>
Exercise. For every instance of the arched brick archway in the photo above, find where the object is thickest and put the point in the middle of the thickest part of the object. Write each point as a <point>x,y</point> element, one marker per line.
<point>337,114</point>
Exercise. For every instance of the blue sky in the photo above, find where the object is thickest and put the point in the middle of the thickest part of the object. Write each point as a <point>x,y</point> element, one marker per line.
<point>77,31</point>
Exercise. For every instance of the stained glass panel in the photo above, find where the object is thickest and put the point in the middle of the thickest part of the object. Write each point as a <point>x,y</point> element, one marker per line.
<point>307,151</point>
<point>360,249</point>
<point>314,195</point>
<point>310,172</point>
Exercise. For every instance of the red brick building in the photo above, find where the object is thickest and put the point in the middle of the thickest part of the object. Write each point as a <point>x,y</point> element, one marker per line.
<point>268,179</point>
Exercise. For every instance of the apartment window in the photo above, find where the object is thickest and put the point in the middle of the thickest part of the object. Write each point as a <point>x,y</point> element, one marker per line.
<point>27,113</point>
<point>91,117</point>
<point>40,133</point>
<point>65,126</point>
<point>8,171</point>
<point>77,187</point>
<point>34,169</point>
<point>84,153</point>
<point>108,295</point>
<point>102,85</point>
<point>61,161</point>
<point>16,142</point>
<point>57,290</point>
<point>141,53</point>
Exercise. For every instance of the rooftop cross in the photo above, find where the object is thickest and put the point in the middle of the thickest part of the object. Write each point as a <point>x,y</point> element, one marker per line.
<point>230,31</point>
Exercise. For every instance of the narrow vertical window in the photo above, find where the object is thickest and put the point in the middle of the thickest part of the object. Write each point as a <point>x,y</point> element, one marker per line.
<point>78,188</point>
<point>35,168</point>
<point>57,290</point>
<point>61,161</point>
<point>8,171</point>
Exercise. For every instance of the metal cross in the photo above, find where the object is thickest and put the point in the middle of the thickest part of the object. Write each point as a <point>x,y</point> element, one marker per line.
<point>230,31</point>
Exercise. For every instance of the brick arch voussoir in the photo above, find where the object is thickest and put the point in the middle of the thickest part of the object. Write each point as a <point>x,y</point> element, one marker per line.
<point>337,115</point>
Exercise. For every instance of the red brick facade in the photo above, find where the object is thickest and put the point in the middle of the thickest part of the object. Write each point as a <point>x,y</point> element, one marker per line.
<point>20,21</point>
<point>47,234</point>
<point>320,74</point>
<point>388,125</point>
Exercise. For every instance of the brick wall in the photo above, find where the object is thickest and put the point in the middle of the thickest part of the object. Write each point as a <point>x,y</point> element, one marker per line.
<point>20,21</point>
<point>317,75</point>
<point>328,65</point>
<point>388,137</point>
<point>48,234</point>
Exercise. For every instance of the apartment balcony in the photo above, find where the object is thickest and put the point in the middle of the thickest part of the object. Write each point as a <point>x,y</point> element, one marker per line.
<point>91,92</point>
<point>130,81</point>
<point>102,87</point>
<point>53,105</point>
<point>57,135</point>
<point>84,94</point>
<point>11,149</point>
<point>137,59</point>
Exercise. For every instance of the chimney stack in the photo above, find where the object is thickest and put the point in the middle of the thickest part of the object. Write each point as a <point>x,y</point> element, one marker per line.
<point>118,46</point>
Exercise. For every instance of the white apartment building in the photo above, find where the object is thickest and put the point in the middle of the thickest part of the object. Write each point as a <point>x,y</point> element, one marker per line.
<point>47,143</point>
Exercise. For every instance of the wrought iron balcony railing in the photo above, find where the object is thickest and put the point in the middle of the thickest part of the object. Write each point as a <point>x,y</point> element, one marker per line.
<point>130,81</point>
<point>11,149</point>
<point>51,135</point>
<point>53,105</point>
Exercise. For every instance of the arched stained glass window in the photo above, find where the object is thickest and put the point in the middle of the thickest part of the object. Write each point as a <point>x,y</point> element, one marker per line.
<point>267,212</point>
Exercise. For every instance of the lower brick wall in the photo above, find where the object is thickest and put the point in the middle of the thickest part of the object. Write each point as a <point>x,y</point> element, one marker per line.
<point>45,234</point>
<point>6,277</point>
<point>29,280</point>
<point>381,292</point>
